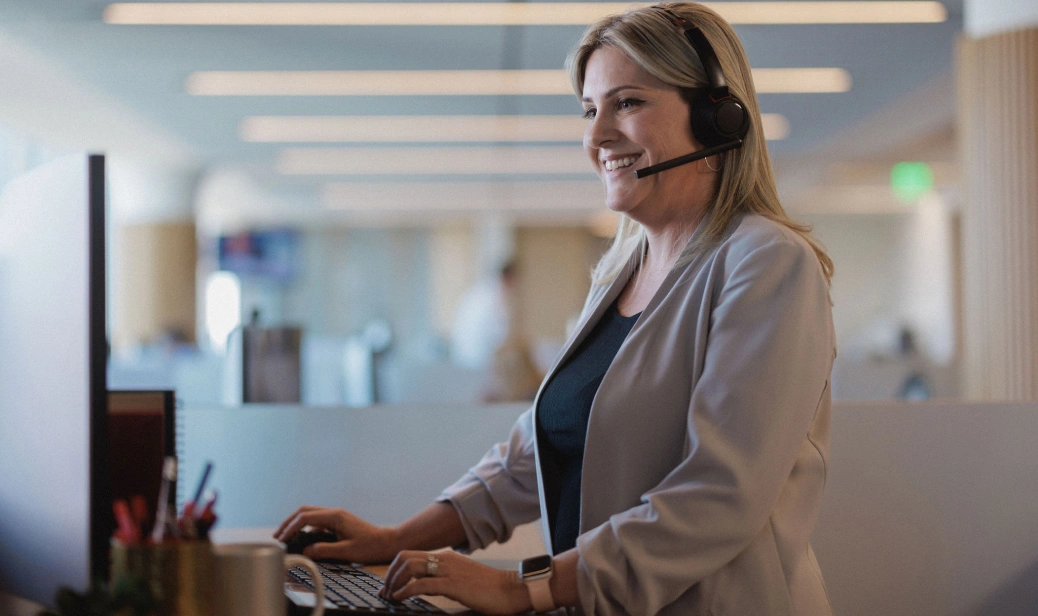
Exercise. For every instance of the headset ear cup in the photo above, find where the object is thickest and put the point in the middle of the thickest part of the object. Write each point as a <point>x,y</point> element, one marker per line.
<point>714,123</point>
<point>731,119</point>
<point>704,128</point>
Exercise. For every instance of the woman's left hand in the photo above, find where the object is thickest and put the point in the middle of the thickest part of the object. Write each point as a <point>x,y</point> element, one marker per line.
<point>474,585</point>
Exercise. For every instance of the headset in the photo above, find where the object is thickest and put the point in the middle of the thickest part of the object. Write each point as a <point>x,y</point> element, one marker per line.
<point>719,119</point>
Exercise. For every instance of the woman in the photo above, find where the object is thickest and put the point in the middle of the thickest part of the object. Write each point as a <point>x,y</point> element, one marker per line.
<point>677,452</point>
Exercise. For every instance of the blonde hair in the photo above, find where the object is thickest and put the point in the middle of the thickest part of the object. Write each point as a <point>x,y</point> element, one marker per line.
<point>746,184</point>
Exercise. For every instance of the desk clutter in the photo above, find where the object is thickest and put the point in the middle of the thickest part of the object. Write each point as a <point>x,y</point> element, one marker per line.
<point>165,565</point>
<point>161,565</point>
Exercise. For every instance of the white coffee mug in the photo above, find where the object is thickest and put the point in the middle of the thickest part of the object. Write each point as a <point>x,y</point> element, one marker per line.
<point>251,579</point>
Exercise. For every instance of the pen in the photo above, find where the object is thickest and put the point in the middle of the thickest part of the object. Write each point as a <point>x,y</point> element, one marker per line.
<point>188,530</point>
<point>207,519</point>
<point>169,475</point>
<point>202,482</point>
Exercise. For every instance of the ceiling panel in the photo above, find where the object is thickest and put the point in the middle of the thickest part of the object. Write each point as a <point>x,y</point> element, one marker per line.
<point>145,67</point>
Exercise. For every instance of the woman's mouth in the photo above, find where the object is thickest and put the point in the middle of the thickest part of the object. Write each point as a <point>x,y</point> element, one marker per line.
<point>619,163</point>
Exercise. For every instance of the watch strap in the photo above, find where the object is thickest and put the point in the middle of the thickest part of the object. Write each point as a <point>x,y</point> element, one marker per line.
<point>540,594</point>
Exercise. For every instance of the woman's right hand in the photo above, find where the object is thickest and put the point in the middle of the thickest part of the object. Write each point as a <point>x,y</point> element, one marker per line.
<point>358,541</point>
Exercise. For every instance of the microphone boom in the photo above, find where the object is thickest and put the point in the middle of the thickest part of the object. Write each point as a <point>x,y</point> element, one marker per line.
<point>687,158</point>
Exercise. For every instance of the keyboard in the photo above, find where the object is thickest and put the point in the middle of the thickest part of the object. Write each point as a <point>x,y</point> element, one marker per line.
<point>355,590</point>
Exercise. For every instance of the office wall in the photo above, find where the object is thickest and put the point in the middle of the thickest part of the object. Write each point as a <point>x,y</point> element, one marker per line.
<point>157,282</point>
<point>453,269</point>
<point>893,269</point>
<point>554,277</point>
<point>349,276</point>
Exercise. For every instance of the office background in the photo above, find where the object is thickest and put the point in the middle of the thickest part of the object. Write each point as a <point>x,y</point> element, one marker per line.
<point>913,157</point>
<point>392,211</point>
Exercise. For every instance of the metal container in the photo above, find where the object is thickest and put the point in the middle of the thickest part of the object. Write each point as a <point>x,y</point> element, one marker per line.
<point>180,576</point>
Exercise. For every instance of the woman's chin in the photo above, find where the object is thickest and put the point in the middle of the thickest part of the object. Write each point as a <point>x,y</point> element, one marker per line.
<point>619,205</point>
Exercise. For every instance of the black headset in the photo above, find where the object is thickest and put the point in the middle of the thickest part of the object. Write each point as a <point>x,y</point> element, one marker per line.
<point>718,116</point>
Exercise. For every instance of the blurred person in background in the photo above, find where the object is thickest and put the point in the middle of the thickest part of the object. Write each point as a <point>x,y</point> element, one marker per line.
<point>677,452</point>
<point>484,318</point>
<point>487,337</point>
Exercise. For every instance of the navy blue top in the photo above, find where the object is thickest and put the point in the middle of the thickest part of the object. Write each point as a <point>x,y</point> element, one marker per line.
<point>562,417</point>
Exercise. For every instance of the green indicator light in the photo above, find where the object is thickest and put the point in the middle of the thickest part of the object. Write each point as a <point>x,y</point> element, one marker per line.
<point>911,180</point>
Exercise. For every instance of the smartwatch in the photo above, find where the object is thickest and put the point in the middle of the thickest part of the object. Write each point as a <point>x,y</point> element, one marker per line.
<point>536,574</point>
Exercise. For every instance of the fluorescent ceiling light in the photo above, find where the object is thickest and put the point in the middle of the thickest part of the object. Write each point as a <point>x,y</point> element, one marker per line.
<point>457,160</point>
<point>462,83</point>
<point>425,197</point>
<point>498,13</point>
<point>830,12</point>
<point>414,129</point>
<point>801,80</point>
<point>378,83</point>
<point>776,126</point>
<point>432,129</point>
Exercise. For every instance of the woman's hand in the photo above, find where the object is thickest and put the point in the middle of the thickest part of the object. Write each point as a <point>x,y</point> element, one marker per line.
<point>474,585</point>
<point>358,541</point>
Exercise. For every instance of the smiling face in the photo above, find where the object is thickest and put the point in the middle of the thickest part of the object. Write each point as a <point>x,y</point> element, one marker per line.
<point>634,121</point>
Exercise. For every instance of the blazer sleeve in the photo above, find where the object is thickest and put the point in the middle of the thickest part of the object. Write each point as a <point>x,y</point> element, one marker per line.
<point>500,492</point>
<point>766,366</point>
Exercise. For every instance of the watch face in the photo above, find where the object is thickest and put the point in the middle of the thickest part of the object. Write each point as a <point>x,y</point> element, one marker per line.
<point>535,566</point>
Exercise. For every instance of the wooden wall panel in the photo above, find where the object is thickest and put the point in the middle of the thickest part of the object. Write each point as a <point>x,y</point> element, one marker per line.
<point>157,290</point>
<point>998,125</point>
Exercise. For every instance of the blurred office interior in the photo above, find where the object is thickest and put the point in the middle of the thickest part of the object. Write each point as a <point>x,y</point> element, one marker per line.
<point>314,206</point>
<point>349,211</point>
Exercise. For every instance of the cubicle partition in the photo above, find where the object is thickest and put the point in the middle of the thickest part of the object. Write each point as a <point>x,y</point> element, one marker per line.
<point>930,508</point>
<point>383,463</point>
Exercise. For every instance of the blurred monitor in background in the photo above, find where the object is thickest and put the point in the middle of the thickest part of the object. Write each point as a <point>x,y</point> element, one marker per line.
<point>271,255</point>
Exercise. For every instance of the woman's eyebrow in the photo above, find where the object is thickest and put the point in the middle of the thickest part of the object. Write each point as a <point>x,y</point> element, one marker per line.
<point>612,92</point>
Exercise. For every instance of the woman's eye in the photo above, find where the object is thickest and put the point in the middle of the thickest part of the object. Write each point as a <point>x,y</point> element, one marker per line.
<point>627,103</point>
<point>589,114</point>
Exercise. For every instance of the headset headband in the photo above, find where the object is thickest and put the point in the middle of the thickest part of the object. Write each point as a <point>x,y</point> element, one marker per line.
<point>703,49</point>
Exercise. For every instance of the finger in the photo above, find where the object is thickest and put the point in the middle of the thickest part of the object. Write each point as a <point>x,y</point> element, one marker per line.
<point>407,565</point>
<point>324,518</point>
<point>397,569</point>
<point>424,586</point>
<point>288,521</point>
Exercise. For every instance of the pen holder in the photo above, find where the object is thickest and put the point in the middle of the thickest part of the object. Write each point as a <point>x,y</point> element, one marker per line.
<point>180,576</point>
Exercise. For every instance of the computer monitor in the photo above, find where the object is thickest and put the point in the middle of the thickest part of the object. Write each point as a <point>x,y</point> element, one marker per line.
<point>55,510</point>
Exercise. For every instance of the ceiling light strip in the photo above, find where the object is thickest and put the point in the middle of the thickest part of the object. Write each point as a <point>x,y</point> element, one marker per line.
<point>462,83</point>
<point>412,129</point>
<point>434,161</point>
<point>378,83</point>
<point>498,13</point>
<point>801,80</point>
<point>422,197</point>
<point>435,129</point>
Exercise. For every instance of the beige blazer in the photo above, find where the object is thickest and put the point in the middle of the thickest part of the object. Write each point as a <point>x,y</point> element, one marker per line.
<point>707,443</point>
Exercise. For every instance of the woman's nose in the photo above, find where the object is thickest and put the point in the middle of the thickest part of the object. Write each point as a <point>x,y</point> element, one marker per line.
<point>601,130</point>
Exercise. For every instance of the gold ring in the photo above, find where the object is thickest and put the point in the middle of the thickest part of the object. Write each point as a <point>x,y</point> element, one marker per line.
<point>432,565</point>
